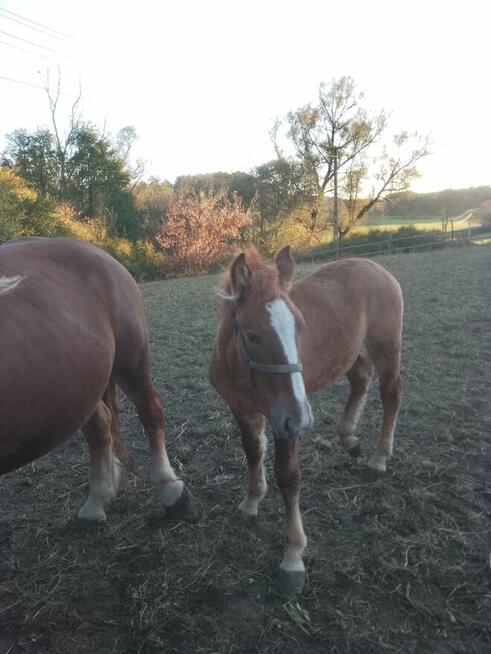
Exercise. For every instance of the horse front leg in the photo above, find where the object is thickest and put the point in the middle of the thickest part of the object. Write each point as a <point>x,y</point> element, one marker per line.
<point>288,476</point>
<point>252,428</point>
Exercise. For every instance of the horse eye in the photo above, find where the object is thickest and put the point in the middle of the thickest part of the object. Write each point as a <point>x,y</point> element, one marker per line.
<point>254,339</point>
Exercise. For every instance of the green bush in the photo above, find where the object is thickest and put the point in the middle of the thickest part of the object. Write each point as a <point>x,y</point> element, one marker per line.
<point>24,213</point>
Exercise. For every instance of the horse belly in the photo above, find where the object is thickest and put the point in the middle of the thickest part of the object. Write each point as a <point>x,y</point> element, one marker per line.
<point>327,356</point>
<point>47,401</point>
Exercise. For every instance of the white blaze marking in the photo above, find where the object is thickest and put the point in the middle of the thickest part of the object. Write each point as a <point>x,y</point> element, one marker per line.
<point>283,323</point>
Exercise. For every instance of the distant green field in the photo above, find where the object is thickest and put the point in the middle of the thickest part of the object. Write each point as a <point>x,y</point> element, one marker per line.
<point>393,223</point>
<point>399,220</point>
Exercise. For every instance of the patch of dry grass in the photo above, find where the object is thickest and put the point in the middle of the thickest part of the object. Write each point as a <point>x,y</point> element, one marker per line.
<point>394,565</point>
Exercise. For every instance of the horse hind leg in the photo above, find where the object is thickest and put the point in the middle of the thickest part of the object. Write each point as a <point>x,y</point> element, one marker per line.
<point>139,388</point>
<point>359,377</point>
<point>390,393</point>
<point>104,465</point>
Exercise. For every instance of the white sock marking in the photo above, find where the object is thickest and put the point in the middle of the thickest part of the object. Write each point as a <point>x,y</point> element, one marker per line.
<point>171,492</point>
<point>377,462</point>
<point>116,473</point>
<point>161,470</point>
<point>100,494</point>
<point>292,561</point>
<point>249,505</point>
<point>349,442</point>
<point>92,510</point>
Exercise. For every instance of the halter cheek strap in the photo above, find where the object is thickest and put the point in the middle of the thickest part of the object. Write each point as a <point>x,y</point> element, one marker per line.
<point>257,366</point>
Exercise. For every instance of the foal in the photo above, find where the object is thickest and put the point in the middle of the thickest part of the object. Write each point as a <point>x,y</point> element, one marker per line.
<point>278,341</point>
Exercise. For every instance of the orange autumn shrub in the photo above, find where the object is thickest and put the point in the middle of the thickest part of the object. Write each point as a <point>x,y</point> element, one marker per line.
<point>199,229</point>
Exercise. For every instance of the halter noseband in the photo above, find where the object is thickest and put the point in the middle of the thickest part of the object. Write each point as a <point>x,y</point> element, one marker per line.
<point>256,366</point>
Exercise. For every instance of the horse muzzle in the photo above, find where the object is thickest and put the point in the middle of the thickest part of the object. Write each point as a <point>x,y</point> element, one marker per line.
<point>290,424</point>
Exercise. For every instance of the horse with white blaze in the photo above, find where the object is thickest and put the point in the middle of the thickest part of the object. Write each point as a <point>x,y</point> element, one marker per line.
<point>278,341</point>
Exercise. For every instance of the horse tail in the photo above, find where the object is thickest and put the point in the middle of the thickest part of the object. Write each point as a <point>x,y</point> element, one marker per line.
<point>111,399</point>
<point>8,284</point>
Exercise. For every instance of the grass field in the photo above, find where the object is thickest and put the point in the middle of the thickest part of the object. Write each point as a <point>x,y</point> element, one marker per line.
<point>397,564</point>
<point>393,223</point>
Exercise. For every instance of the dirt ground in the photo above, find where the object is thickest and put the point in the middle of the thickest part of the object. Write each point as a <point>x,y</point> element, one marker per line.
<point>397,564</point>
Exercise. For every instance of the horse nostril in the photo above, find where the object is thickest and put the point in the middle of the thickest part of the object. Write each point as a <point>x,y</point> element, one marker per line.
<point>292,425</point>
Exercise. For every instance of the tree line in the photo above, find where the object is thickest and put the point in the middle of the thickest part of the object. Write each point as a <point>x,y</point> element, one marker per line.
<point>84,182</point>
<point>447,203</point>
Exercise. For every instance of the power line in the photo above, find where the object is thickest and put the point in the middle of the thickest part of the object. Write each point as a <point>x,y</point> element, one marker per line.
<point>36,86</point>
<point>36,29</point>
<point>44,47</point>
<point>36,54</point>
<point>62,34</point>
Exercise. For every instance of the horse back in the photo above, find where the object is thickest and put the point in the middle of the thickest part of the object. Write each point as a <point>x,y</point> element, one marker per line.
<point>347,305</point>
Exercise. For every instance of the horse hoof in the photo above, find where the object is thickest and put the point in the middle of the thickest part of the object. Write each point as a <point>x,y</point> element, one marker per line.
<point>377,464</point>
<point>181,505</point>
<point>90,514</point>
<point>355,451</point>
<point>289,584</point>
<point>246,510</point>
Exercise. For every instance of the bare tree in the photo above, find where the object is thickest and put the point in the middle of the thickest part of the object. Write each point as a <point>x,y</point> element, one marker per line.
<point>63,142</point>
<point>125,140</point>
<point>340,134</point>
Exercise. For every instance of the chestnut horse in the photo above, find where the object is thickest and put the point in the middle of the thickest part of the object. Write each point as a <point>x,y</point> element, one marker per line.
<point>278,341</point>
<point>72,326</point>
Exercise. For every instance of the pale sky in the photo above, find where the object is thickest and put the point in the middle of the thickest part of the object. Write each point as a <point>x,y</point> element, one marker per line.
<point>203,81</point>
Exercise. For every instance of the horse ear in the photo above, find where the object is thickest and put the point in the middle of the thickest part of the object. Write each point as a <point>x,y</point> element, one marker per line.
<point>286,266</point>
<point>240,275</point>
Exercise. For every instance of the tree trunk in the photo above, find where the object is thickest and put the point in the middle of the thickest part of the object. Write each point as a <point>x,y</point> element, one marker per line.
<point>313,217</point>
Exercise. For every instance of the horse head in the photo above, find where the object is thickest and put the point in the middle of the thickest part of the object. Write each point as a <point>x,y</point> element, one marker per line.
<point>267,328</point>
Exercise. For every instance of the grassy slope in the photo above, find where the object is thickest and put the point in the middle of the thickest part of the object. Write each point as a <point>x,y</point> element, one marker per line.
<point>393,223</point>
<point>396,564</point>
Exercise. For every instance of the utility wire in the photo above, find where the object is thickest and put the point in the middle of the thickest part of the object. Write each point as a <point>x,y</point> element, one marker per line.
<point>36,54</point>
<point>46,33</point>
<point>44,47</point>
<point>66,36</point>
<point>43,88</point>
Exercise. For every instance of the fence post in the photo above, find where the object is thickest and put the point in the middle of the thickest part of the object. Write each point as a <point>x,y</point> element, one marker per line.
<point>389,242</point>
